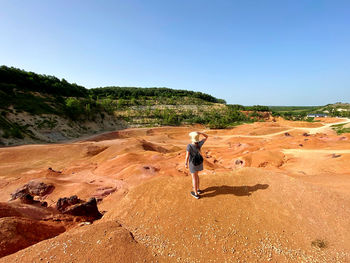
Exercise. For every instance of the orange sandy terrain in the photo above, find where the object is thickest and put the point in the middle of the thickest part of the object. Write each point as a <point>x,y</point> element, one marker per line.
<point>273,192</point>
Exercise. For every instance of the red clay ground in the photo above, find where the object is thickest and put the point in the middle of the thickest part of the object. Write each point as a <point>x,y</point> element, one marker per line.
<point>289,200</point>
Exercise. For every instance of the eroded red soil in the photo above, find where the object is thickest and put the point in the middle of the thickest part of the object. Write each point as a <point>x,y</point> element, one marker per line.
<point>273,191</point>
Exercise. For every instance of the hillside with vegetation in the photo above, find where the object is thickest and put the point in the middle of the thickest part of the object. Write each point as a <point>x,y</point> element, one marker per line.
<point>300,112</point>
<point>338,109</point>
<point>43,108</point>
<point>294,112</point>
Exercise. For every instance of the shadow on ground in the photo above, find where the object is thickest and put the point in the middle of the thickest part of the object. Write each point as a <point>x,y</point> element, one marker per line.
<point>234,190</point>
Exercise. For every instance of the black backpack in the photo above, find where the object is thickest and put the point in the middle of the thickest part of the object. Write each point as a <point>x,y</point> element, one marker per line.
<point>197,159</point>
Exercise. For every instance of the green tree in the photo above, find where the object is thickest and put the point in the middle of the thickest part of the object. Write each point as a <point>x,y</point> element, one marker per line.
<point>73,108</point>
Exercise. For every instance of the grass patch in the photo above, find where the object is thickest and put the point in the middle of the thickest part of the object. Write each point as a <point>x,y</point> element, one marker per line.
<point>338,125</point>
<point>311,119</point>
<point>344,130</point>
<point>339,128</point>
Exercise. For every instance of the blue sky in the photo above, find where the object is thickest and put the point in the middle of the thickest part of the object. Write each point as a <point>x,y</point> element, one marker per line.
<point>247,52</point>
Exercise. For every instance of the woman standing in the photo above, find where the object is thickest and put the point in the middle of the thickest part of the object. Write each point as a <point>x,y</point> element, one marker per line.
<point>195,160</point>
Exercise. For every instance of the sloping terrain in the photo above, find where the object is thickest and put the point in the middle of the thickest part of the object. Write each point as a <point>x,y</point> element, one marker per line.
<point>37,108</point>
<point>273,191</point>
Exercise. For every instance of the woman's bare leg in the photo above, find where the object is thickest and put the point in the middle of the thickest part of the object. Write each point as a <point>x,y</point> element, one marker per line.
<point>197,177</point>
<point>194,182</point>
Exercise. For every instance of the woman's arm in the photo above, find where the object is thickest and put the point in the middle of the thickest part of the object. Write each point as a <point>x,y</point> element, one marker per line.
<point>205,135</point>
<point>186,159</point>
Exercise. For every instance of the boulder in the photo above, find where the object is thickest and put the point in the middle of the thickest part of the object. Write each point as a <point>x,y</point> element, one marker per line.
<point>28,199</point>
<point>76,207</point>
<point>33,188</point>
<point>65,202</point>
<point>88,209</point>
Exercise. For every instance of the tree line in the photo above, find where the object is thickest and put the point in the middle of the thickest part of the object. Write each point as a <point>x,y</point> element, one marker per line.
<point>45,94</point>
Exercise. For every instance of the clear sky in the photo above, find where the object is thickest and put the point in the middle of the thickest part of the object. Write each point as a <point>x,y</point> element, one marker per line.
<point>247,52</point>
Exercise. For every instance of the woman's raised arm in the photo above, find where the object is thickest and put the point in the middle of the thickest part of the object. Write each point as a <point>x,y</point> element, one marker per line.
<point>205,135</point>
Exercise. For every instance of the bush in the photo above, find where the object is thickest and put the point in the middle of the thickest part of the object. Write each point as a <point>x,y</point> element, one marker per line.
<point>169,117</point>
<point>73,108</point>
<point>217,124</point>
<point>16,132</point>
<point>6,134</point>
<point>257,108</point>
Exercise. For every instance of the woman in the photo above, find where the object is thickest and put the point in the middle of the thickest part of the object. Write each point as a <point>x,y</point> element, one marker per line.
<point>192,151</point>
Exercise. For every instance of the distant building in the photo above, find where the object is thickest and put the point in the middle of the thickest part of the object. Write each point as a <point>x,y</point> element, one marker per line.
<point>322,115</point>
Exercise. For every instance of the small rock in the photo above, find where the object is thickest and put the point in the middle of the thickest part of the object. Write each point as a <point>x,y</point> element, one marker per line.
<point>52,170</point>
<point>238,162</point>
<point>84,223</point>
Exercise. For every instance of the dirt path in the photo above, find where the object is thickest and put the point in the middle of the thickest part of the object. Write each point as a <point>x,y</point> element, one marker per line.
<point>257,136</point>
<point>323,129</point>
<point>307,151</point>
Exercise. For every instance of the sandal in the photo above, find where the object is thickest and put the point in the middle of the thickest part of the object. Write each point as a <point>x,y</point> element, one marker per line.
<point>199,191</point>
<point>194,195</point>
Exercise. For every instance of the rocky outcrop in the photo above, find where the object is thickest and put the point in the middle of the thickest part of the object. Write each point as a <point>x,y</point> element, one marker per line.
<point>29,199</point>
<point>76,207</point>
<point>88,209</point>
<point>65,202</point>
<point>32,188</point>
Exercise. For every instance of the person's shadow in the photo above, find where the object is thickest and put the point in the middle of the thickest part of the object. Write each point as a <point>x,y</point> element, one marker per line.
<point>233,190</point>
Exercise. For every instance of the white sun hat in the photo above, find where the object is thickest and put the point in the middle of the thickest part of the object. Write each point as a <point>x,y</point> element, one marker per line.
<point>194,136</point>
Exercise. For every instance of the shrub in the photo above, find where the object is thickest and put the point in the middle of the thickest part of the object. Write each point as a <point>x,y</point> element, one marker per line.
<point>73,108</point>
<point>16,132</point>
